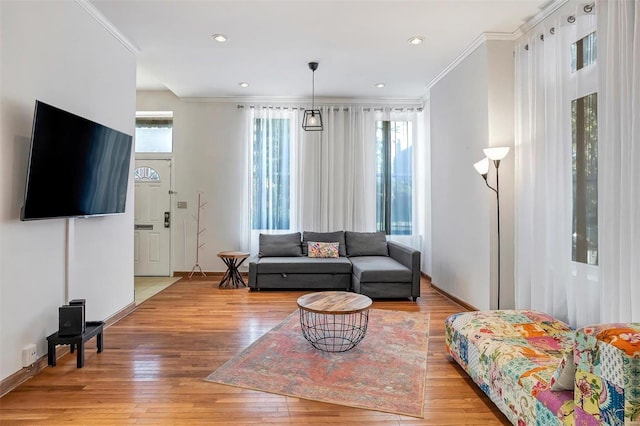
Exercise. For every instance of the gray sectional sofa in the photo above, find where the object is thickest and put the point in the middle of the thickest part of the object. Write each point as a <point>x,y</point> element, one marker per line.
<point>366,263</point>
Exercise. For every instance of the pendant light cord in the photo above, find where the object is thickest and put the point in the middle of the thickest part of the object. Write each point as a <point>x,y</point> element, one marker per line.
<point>313,88</point>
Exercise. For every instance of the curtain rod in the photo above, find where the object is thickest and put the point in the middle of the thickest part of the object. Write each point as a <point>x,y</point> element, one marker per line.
<point>335,109</point>
<point>587,8</point>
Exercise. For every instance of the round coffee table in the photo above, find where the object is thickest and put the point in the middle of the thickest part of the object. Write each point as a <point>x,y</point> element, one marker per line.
<point>334,321</point>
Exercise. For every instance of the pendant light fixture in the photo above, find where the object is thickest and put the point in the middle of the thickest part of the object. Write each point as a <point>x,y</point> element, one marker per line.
<point>312,119</point>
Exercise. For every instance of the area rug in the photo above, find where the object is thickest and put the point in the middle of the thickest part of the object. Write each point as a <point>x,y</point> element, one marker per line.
<point>385,372</point>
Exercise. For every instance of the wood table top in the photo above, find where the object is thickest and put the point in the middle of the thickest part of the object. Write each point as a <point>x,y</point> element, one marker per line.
<point>334,302</point>
<point>233,254</point>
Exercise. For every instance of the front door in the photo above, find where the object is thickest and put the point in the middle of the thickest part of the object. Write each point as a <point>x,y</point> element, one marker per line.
<point>152,221</point>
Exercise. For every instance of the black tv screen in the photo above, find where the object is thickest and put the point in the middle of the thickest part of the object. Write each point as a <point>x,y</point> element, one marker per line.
<point>77,167</point>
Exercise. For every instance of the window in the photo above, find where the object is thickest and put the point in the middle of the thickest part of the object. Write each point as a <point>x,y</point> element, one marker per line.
<point>394,177</point>
<point>154,134</point>
<point>583,52</point>
<point>146,174</point>
<point>271,174</point>
<point>584,148</point>
<point>584,117</point>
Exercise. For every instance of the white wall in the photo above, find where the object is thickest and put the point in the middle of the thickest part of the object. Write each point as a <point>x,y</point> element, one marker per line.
<point>471,109</point>
<point>58,53</point>
<point>501,116</point>
<point>208,157</point>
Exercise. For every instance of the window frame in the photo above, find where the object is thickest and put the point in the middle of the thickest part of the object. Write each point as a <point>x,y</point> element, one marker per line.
<point>386,223</point>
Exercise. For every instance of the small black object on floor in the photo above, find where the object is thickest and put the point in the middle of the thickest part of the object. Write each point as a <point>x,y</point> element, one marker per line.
<point>91,329</point>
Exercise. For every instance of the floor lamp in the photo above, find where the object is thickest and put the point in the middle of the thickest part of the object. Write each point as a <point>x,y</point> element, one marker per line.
<point>482,167</point>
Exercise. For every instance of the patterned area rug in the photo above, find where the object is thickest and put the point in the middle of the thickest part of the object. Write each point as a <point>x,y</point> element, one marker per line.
<point>385,372</point>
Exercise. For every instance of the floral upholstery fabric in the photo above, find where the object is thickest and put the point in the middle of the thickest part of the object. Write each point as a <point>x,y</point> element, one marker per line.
<point>515,357</point>
<point>321,249</point>
<point>512,356</point>
<point>607,382</point>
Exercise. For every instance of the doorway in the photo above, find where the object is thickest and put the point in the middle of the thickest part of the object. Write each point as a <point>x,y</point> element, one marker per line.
<point>152,218</point>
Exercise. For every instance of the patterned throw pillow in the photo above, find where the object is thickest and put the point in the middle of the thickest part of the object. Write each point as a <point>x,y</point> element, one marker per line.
<point>318,249</point>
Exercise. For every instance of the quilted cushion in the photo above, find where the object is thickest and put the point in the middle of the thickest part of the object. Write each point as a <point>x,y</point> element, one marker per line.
<point>513,355</point>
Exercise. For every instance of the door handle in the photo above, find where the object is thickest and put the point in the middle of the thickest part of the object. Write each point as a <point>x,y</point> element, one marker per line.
<point>167,219</point>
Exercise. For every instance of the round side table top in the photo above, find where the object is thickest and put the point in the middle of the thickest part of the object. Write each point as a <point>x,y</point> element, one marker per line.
<point>334,302</point>
<point>233,254</point>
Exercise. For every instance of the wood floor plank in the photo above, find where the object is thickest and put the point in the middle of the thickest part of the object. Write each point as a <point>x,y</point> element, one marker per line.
<point>155,360</point>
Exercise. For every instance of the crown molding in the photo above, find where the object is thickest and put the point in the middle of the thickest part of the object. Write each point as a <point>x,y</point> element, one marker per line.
<point>550,8</point>
<point>102,20</point>
<point>545,12</point>
<point>406,102</point>
<point>482,38</point>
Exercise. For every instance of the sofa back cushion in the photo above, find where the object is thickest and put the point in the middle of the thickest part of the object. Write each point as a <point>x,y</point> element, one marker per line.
<point>280,245</point>
<point>324,237</point>
<point>366,244</point>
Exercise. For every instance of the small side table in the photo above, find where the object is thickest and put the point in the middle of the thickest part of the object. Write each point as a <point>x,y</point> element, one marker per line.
<point>92,328</point>
<point>233,260</point>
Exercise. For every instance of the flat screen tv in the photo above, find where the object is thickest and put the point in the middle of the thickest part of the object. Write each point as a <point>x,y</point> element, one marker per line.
<point>77,167</point>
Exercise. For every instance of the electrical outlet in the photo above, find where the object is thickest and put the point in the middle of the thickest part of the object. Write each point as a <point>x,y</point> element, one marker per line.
<point>29,355</point>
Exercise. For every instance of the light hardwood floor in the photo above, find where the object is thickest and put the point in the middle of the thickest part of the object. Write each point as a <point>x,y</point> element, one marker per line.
<point>155,359</point>
<point>146,287</point>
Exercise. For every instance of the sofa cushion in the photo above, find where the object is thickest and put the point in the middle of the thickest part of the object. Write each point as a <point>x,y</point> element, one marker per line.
<point>380,269</point>
<point>324,237</point>
<point>322,250</point>
<point>280,245</point>
<point>303,265</point>
<point>366,244</point>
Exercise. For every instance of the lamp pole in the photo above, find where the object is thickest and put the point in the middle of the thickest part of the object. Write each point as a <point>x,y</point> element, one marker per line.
<point>497,164</point>
<point>482,167</point>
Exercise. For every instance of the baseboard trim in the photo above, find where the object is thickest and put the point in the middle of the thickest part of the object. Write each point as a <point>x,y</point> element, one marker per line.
<point>216,274</point>
<point>120,314</point>
<point>462,303</point>
<point>24,374</point>
<point>426,276</point>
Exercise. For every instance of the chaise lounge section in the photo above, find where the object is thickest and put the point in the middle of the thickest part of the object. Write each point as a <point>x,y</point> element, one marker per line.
<point>364,262</point>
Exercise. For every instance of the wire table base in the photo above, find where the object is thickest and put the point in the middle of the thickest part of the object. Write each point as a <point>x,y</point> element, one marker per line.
<point>334,332</point>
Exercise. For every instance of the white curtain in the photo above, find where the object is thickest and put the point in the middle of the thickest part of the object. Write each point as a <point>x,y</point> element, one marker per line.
<point>546,278</point>
<point>250,236</point>
<point>337,185</point>
<point>619,159</point>
<point>333,173</point>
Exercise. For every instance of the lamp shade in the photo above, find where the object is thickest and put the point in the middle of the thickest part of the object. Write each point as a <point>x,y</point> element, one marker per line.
<point>482,166</point>
<point>496,153</point>
<point>312,120</point>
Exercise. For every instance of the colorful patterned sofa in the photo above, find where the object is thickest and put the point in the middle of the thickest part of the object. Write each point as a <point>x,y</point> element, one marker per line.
<point>538,371</point>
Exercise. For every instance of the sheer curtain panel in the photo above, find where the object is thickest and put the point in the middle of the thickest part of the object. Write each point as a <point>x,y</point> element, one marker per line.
<point>546,277</point>
<point>619,158</point>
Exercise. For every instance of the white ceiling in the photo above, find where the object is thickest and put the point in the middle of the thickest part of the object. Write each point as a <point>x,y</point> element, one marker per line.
<point>357,43</point>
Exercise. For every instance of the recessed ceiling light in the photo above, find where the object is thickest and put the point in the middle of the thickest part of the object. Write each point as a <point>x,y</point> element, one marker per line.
<point>379,85</point>
<point>415,40</point>
<point>243,84</point>
<point>220,38</point>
